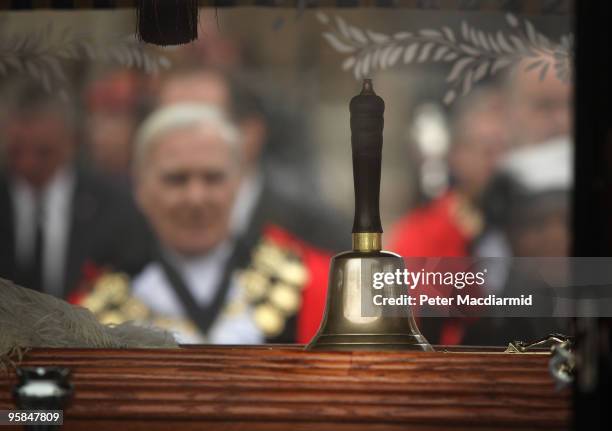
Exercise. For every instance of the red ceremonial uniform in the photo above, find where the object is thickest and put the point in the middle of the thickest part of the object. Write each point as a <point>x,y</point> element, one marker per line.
<point>438,229</point>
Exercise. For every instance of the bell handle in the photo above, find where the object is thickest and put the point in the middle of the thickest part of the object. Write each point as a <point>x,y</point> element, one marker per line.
<point>367,123</point>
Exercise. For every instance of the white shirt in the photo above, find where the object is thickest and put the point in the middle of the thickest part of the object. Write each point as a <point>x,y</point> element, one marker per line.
<point>56,202</point>
<point>202,276</point>
<point>246,200</point>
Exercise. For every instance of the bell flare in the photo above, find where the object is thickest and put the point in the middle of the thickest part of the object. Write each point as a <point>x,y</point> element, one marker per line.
<point>351,321</point>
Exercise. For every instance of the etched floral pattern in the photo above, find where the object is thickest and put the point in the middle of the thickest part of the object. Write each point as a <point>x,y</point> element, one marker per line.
<point>471,54</point>
<point>32,54</point>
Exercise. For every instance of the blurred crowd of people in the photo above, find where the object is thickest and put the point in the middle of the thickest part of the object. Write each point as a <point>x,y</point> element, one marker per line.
<point>172,182</point>
<point>510,164</point>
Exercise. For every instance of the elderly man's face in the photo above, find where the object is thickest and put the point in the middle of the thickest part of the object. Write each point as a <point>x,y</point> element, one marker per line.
<point>187,187</point>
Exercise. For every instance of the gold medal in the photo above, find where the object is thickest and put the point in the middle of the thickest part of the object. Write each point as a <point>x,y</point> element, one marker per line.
<point>111,318</point>
<point>275,276</point>
<point>268,257</point>
<point>255,284</point>
<point>114,288</point>
<point>293,273</point>
<point>268,319</point>
<point>285,297</point>
<point>133,309</point>
<point>93,303</point>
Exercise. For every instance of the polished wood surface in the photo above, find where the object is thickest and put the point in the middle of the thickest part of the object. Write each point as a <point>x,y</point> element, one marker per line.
<point>286,388</point>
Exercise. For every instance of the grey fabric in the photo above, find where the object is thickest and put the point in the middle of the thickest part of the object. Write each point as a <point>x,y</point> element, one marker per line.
<point>31,319</point>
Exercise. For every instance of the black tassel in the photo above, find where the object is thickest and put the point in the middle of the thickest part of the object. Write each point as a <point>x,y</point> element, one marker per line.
<point>167,22</point>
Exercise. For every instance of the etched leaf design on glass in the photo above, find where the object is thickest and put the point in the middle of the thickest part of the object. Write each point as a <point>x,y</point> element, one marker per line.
<point>358,35</point>
<point>344,28</point>
<point>440,53</point>
<point>337,44</point>
<point>458,68</point>
<point>410,52</point>
<point>322,17</point>
<point>424,56</point>
<point>449,34</point>
<point>481,71</point>
<point>377,37</point>
<point>472,53</point>
<point>449,97</point>
<point>403,35</point>
<point>45,54</point>
<point>348,63</point>
<point>395,55</point>
<point>512,20</point>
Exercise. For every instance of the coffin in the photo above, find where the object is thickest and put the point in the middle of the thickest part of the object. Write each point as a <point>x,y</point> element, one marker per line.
<point>286,388</point>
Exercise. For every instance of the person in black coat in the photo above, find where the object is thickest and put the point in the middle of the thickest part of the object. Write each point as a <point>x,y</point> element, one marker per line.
<point>56,217</point>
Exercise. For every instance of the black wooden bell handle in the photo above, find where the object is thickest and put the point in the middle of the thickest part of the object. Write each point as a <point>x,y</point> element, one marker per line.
<point>367,123</point>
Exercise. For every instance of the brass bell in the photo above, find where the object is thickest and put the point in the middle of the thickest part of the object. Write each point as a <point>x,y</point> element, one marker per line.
<point>351,322</point>
<point>346,327</point>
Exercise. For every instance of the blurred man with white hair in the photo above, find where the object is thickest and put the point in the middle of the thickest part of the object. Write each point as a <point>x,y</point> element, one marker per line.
<point>187,170</point>
<point>278,184</point>
<point>208,282</point>
<point>187,174</point>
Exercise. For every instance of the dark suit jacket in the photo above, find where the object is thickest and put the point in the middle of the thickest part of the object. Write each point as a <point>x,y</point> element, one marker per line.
<point>106,229</point>
<point>319,226</point>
